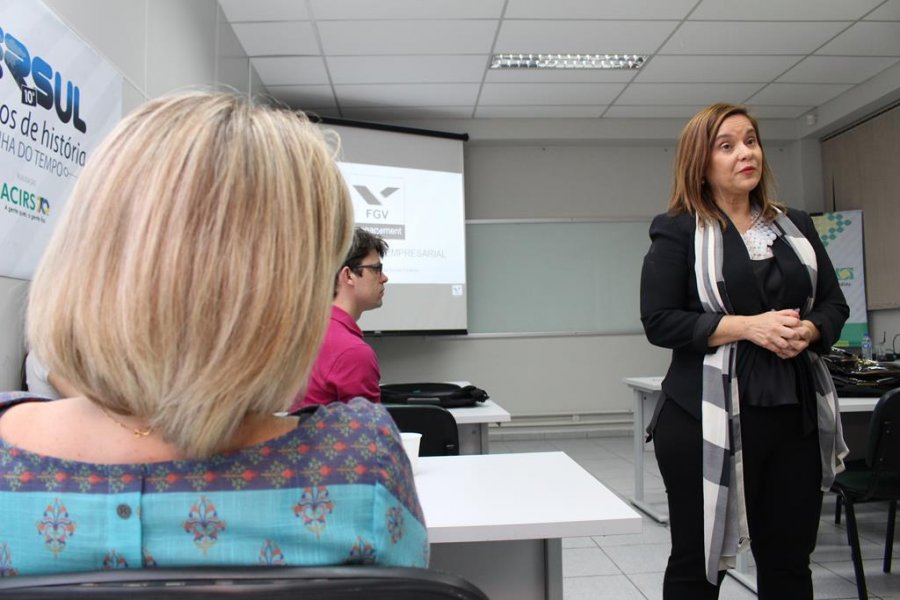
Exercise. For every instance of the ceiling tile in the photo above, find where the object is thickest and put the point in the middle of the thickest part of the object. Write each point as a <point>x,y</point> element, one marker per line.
<point>723,37</point>
<point>301,96</point>
<point>778,112</point>
<point>837,69</point>
<point>407,9</point>
<point>662,94</point>
<point>889,11</point>
<point>591,9</point>
<point>652,112</point>
<point>407,37</point>
<point>726,69</point>
<point>406,112</point>
<point>407,69</point>
<point>538,112</point>
<point>783,10</point>
<point>426,94</point>
<point>641,37</point>
<point>559,76</point>
<point>291,70</point>
<point>515,94</point>
<point>264,10</point>
<point>268,39</point>
<point>798,94</point>
<point>868,39</point>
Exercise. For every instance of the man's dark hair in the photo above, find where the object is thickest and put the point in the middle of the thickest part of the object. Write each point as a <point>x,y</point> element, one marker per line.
<point>363,243</point>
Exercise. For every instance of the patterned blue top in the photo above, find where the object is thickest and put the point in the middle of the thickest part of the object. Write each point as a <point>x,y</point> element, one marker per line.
<point>338,489</point>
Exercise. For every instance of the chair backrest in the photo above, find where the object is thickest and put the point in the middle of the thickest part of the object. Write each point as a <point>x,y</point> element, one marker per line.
<point>883,452</point>
<point>440,435</point>
<point>271,583</point>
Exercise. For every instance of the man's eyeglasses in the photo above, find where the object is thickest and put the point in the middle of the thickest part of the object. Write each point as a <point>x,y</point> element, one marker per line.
<point>377,268</point>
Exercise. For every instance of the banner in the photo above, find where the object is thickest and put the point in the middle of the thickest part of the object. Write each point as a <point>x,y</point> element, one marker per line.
<point>842,235</point>
<point>58,98</point>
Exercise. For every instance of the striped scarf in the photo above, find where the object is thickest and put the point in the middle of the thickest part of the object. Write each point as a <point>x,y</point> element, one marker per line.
<point>725,529</point>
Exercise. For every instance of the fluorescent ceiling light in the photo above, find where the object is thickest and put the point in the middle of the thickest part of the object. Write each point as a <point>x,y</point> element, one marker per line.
<point>568,61</point>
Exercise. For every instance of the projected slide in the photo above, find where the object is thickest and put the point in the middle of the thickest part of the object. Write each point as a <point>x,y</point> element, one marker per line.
<point>419,213</point>
<point>407,187</point>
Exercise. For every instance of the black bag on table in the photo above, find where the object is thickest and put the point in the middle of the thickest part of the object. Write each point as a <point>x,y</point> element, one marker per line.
<point>853,376</point>
<point>447,395</point>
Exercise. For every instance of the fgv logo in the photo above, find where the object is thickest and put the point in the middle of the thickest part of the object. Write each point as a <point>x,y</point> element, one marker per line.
<point>48,90</point>
<point>13,194</point>
<point>378,199</point>
<point>844,273</point>
<point>379,204</point>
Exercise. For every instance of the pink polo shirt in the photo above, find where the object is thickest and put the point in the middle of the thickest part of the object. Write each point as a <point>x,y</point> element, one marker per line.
<point>345,368</point>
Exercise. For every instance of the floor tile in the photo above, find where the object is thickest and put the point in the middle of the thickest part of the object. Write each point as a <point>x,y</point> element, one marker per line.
<point>618,587</point>
<point>579,562</point>
<point>645,558</point>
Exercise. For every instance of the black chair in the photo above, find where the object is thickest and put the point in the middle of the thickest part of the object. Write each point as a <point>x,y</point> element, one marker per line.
<point>877,478</point>
<point>271,583</point>
<point>440,435</point>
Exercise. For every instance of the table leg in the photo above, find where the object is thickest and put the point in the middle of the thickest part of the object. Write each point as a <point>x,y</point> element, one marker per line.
<point>739,573</point>
<point>485,439</point>
<point>638,499</point>
<point>553,569</point>
<point>472,438</point>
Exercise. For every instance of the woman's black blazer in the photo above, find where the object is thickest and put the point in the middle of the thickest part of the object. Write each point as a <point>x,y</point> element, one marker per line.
<point>673,316</point>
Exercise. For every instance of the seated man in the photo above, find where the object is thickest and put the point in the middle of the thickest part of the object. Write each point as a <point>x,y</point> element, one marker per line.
<point>346,366</point>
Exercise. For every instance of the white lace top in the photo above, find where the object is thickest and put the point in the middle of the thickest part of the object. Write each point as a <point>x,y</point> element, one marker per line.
<point>759,237</point>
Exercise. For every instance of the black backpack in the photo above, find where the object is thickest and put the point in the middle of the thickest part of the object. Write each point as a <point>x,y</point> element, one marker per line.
<point>447,395</point>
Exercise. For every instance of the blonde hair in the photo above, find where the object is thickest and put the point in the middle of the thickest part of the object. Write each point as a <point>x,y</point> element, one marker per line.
<point>690,194</point>
<point>189,279</point>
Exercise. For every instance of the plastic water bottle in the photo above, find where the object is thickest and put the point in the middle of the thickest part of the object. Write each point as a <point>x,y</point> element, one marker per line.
<point>866,347</point>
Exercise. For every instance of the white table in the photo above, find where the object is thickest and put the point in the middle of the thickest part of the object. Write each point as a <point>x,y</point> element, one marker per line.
<point>646,393</point>
<point>498,519</point>
<point>473,421</point>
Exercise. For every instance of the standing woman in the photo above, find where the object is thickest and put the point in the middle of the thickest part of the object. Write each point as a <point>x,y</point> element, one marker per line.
<point>747,433</point>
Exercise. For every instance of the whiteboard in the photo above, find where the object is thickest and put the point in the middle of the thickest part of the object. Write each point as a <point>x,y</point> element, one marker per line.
<point>574,276</point>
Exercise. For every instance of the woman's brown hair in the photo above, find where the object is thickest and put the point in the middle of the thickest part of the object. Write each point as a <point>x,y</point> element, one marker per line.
<point>690,192</point>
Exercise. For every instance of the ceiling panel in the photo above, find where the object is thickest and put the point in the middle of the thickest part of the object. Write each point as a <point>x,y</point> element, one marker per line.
<point>407,37</point>
<point>290,70</point>
<point>387,114</point>
<point>592,9</point>
<point>611,37</point>
<point>733,69</point>
<point>425,94</point>
<point>837,69</point>
<point>868,38</point>
<point>277,38</point>
<point>539,112</point>
<point>798,94</point>
<point>686,93</point>
<point>889,11</point>
<point>559,76</point>
<point>778,112</point>
<point>779,10</point>
<point>407,69</point>
<point>405,59</point>
<point>264,10</point>
<point>302,96</point>
<point>727,38</point>
<point>407,9</point>
<point>514,94</point>
<point>652,112</point>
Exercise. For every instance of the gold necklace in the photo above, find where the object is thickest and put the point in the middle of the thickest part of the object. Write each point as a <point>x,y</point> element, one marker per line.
<point>135,432</point>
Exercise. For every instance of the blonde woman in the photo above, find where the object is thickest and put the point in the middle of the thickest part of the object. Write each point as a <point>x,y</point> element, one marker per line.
<point>188,278</point>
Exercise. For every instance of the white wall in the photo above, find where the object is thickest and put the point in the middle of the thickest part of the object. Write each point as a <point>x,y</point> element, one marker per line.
<point>574,380</point>
<point>158,46</point>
